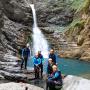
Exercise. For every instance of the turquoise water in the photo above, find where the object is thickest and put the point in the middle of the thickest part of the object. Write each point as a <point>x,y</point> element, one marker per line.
<point>69,66</point>
<point>73,66</point>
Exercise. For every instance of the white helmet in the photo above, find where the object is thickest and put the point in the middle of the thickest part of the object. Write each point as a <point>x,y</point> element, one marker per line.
<point>28,45</point>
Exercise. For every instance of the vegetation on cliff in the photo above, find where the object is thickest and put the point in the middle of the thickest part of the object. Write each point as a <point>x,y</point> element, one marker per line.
<point>79,30</point>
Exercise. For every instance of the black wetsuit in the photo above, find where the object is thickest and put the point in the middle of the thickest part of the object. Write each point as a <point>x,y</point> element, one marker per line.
<point>41,65</point>
<point>25,55</point>
<point>53,57</point>
<point>54,79</point>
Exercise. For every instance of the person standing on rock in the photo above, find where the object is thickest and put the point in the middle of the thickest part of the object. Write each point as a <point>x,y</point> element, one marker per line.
<point>37,61</point>
<point>25,56</point>
<point>52,56</point>
<point>41,65</point>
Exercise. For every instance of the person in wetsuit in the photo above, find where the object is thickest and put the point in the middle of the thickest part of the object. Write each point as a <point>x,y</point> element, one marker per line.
<point>49,67</point>
<point>52,56</point>
<point>25,54</point>
<point>54,79</point>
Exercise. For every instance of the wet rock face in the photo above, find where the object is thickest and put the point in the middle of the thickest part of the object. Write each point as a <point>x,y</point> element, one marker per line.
<point>11,34</point>
<point>56,19</point>
<point>17,11</point>
<point>14,20</point>
<point>54,12</point>
<point>82,40</point>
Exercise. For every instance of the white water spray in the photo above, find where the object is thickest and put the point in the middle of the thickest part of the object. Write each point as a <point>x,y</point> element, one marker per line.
<point>39,41</point>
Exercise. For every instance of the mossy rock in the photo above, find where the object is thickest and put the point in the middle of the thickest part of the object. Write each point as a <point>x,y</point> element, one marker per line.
<point>75,27</point>
<point>80,40</point>
<point>80,5</point>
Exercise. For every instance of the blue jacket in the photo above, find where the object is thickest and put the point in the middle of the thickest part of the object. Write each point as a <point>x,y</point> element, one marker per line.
<point>53,56</point>
<point>56,76</point>
<point>36,61</point>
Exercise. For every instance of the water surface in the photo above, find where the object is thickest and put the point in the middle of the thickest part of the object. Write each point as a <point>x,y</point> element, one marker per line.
<point>68,66</point>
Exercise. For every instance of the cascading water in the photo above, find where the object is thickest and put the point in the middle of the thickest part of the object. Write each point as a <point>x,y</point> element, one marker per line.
<point>40,44</point>
<point>39,41</point>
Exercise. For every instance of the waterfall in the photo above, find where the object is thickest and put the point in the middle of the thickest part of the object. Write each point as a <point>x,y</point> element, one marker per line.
<point>39,41</point>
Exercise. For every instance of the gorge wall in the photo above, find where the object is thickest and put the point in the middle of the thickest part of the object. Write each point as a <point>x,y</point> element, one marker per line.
<point>79,32</point>
<point>70,41</point>
<point>14,21</point>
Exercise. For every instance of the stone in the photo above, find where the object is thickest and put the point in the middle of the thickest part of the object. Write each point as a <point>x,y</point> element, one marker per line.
<point>18,86</point>
<point>86,55</point>
<point>75,83</point>
<point>47,30</point>
<point>1,77</point>
<point>80,40</point>
<point>17,11</point>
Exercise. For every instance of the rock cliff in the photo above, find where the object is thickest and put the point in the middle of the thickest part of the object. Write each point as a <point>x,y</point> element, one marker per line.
<point>79,33</point>
<point>16,25</point>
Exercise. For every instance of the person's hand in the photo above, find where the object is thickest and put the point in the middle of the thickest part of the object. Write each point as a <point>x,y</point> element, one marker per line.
<point>37,65</point>
<point>28,58</point>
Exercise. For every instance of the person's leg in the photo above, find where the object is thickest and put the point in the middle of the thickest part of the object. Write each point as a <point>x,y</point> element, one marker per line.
<point>51,84</point>
<point>38,71</point>
<point>41,70</point>
<point>22,61</point>
<point>26,62</point>
<point>35,71</point>
<point>47,85</point>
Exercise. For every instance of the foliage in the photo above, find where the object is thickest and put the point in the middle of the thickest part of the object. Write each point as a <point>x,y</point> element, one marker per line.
<point>75,28</point>
<point>80,5</point>
<point>78,23</point>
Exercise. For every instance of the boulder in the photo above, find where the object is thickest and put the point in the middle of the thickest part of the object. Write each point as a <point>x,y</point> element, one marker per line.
<point>86,55</point>
<point>80,40</point>
<point>17,11</point>
<point>75,83</point>
<point>18,86</point>
<point>77,53</point>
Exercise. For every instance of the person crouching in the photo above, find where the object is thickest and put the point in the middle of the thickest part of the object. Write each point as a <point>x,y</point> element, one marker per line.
<point>49,67</point>
<point>37,62</point>
<point>54,79</point>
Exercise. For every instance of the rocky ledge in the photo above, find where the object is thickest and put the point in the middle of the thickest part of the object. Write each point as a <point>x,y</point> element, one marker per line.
<point>69,83</point>
<point>75,83</point>
<point>18,86</point>
<point>10,69</point>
